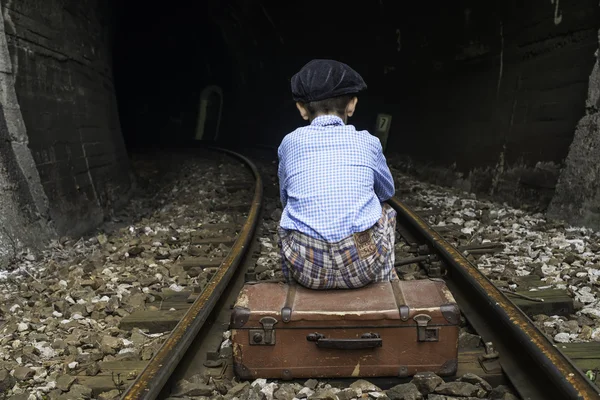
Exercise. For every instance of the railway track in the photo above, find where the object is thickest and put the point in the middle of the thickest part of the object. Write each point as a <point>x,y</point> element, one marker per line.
<point>515,351</point>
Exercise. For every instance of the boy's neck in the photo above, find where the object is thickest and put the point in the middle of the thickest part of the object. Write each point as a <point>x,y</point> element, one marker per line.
<point>343,117</point>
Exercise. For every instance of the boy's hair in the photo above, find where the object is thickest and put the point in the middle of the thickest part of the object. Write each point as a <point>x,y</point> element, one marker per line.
<point>333,105</point>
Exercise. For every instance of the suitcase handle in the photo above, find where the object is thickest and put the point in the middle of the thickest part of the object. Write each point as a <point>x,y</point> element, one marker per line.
<point>366,341</point>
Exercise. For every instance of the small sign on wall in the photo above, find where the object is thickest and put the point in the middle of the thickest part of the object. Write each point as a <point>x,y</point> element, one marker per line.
<point>382,128</point>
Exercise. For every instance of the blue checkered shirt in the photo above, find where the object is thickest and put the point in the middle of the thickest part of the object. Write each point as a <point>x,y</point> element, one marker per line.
<point>332,179</point>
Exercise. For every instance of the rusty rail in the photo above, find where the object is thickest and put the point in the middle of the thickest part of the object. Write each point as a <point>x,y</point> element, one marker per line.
<point>535,367</point>
<point>152,379</point>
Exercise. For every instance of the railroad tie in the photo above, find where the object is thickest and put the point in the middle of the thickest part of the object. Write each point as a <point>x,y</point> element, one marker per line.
<point>161,316</point>
<point>555,302</point>
<point>226,240</point>
<point>200,262</point>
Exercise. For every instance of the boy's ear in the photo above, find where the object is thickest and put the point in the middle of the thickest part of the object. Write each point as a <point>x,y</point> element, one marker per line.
<point>303,112</point>
<point>351,107</point>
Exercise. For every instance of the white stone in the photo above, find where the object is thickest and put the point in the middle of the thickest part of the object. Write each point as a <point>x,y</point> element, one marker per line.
<point>45,350</point>
<point>585,297</point>
<point>48,387</point>
<point>548,269</point>
<point>176,288</point>
<point>562,338</point>
<point>472,224</point>
<point>592,312</point>
<point>269,389</point>
<point>306,391</point>
<point>261,382</point>
<point>22,327</point>
<point>40,375</point>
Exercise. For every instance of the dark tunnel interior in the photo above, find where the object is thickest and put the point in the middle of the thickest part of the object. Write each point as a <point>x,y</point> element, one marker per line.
<point>164,57</point>
<point>467,83</point>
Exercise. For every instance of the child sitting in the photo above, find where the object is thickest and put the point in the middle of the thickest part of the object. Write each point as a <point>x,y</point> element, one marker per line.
<point>335,232</point>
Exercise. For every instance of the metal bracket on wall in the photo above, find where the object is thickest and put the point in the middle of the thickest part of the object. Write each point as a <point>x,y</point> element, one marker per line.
<point>382,128</point>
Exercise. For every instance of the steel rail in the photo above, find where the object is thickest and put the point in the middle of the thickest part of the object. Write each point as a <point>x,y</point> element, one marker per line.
<point>535,367</point>
<point>153,378</point>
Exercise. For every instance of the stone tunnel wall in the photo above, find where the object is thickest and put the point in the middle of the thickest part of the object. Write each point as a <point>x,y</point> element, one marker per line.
<point>496,114</point>
<point>60,52</point>
<point>577,197</point>
<point>23,203</point>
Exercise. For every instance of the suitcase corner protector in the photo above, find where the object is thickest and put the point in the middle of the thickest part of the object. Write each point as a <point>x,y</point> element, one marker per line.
<point>239,317</point>
<point>241,371</point>
<point>449,368</point>
<point>451,313</point>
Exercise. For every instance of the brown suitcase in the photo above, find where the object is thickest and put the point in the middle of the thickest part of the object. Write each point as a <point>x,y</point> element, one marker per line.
<point>385,329</point>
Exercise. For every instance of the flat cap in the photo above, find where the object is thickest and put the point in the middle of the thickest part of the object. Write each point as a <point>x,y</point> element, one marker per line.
<point>322,79</point>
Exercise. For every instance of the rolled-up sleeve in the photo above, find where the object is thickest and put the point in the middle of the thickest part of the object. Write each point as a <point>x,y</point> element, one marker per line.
<point>384,182</point>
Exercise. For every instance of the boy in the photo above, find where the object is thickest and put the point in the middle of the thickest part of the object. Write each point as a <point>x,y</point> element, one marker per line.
<point>335,232</point>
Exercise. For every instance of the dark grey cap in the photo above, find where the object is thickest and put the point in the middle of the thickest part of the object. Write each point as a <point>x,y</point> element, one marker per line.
<point>322,79</point>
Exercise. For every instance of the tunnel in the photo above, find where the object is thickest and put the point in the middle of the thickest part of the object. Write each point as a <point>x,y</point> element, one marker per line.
<point>499,98</point>
<point>492,92</point>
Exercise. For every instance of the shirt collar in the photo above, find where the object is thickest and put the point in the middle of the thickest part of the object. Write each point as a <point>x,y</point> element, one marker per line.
<point>327,120</point>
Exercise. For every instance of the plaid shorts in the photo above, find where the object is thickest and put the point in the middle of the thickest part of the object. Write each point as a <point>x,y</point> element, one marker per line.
<point>351,263</point>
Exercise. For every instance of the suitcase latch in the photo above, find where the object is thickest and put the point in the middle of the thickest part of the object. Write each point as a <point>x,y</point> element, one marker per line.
<point>264,336</point>
<point>425,333</point>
